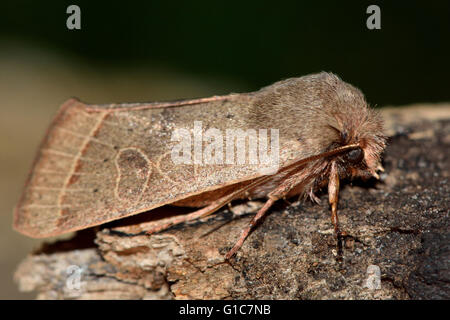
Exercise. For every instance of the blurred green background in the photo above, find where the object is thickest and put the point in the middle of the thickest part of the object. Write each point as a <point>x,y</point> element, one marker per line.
<point>138,51</point>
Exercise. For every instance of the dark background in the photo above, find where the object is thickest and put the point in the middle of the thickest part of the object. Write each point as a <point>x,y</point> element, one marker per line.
<point>139,51</point>
<point>256,42</point>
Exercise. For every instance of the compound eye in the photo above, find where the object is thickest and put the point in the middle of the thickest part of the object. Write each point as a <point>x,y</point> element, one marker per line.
<point>355,156</point>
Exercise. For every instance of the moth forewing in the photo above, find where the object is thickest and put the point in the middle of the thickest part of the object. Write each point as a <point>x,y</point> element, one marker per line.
<point>101,163</point>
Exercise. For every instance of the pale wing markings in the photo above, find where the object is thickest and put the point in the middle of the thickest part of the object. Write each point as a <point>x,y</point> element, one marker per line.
<point>45,206</point>
<point>196,170</point>
<point>112,123</point>
<point>76,134</point>
<point>93,116</point>
<point>107,112</point>
<point>147,179</point>
<point>157,105</point>
<point>69,155</point>
<point>75,173</point>
<point>158,168</point>
<point>94,112</point>
<point>116,165</point>
<point>56,189</point>
<point>78,157</point>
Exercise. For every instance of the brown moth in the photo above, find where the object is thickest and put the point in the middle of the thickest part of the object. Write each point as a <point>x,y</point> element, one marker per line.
<point>99,163</point>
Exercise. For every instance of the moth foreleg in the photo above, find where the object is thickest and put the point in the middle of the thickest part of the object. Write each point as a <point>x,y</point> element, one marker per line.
<point>333,198</point>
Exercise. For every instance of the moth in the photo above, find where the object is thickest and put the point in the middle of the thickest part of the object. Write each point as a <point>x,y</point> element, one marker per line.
<point>99,163</point>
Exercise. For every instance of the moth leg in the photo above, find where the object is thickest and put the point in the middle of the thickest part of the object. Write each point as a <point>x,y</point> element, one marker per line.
<point>203,212</point>
<point>280,192</point>
<point>213,207</point>
<point>247,230</point>
<point>333,197</point>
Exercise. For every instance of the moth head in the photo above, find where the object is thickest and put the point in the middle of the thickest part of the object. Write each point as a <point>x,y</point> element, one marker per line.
<point>364,161</point>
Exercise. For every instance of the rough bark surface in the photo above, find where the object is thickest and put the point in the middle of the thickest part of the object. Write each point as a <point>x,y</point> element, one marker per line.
<point>400,225</point>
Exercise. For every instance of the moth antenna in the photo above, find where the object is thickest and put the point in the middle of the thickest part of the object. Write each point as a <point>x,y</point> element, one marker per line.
<point>326,154</point>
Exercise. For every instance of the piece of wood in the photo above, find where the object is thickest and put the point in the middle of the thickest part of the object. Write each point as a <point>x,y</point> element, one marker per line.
<point>400,225</point>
